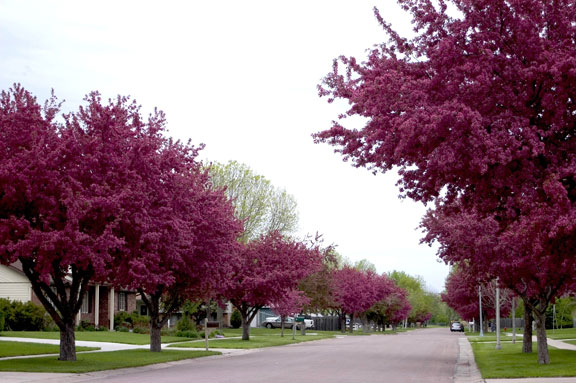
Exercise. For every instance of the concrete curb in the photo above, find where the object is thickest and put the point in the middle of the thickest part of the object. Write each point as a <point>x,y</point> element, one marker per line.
<point>466,370</point>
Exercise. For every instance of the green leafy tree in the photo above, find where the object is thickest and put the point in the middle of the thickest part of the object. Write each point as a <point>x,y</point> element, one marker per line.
<point>420,300</point>
<point>364,265</point>
<point>262,207</point>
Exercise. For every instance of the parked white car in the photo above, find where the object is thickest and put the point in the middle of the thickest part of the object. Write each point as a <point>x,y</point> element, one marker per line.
<point>275,322</point>
<point>456,326</point>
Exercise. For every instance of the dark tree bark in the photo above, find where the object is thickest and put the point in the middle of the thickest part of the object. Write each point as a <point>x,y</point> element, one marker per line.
<point>527,337</point>
<point>155,337</point>
<point>351,330</point>
<point>245,328</point>
<point>247,313</point>
<point>67,342</point>
<point>64,303</point>
<point>342,322</point>
<point>159,315</point>
<point>539,313</point>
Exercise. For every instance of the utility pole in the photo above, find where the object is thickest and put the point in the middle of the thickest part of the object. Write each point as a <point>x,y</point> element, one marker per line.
<point>480,305</point>
<point>498,345</point>
<point>513,319</point>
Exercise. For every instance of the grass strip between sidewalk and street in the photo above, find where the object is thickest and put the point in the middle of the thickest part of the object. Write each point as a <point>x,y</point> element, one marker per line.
<point>491,338</point>
<point>563,333</point>
<point>24,348</point>
<point>99,361</point>
<point>256,341</point>
<point>95,336</point>
<point>510,362</point>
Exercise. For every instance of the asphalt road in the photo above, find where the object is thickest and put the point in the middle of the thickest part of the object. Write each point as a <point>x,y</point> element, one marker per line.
<point>427,355</point>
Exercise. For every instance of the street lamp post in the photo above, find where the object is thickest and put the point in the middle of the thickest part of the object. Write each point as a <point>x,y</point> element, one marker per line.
<point>480,304</point>
<point>498,345</point>
<point>513,319</point>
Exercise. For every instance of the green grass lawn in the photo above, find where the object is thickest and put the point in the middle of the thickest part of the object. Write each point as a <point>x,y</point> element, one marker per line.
<point>473,338</point>
<point>95,336</point>
<point>25,348</point>
<point>99,361</point>
<point>256,341</point>
<point>566,333</point>
<point>510,362</point>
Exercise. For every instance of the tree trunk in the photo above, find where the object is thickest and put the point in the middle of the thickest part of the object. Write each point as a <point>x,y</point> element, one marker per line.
<point>527,337</point>
<point>220,316</point>
<point>282,326</point>
<point>245,328</point>
<point>343,323</point>
<point>62,304</point>
<point>351,323</point>
<point>542,342</point>
<point>248,314</point>
<point>155,336</point>
<point>158,318</point>
<point>365,326</point>
<point>67,342</point>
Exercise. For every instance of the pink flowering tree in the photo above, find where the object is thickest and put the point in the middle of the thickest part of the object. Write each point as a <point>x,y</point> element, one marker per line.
<point>355,291</point>
<point>178,233</point>
<point>319,286</point>
<point>527,277</point>
<point>64,189</point>
<point>397,307</point>
<point>476,111</point>
<point>104,197</point>
<point>264,272</point>
<point>41,223</point>
<point>290,304</point>
<point>462,295</point>
<point>392,306</point>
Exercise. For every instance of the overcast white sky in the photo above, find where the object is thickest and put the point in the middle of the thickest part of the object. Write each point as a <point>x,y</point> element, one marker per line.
<point>241,77</point>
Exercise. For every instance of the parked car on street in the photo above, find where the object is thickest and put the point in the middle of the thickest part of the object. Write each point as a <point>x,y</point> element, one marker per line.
<point>275,322</point>
<point>456,326</point>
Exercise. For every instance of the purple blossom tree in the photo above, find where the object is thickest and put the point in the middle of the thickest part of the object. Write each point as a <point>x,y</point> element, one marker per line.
<point>264,272</point>
<point>477,113</point>
<point>290,304</point>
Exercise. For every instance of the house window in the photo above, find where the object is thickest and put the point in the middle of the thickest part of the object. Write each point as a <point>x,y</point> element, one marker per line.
<point>143,310</point>
<point>122,302</point>
<point>86,303</point>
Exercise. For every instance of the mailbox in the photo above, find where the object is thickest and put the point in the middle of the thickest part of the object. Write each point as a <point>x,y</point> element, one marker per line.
<point>212,324</point>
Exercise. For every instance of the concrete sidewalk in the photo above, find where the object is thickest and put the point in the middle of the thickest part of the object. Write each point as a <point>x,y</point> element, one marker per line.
<point>466,369</point>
